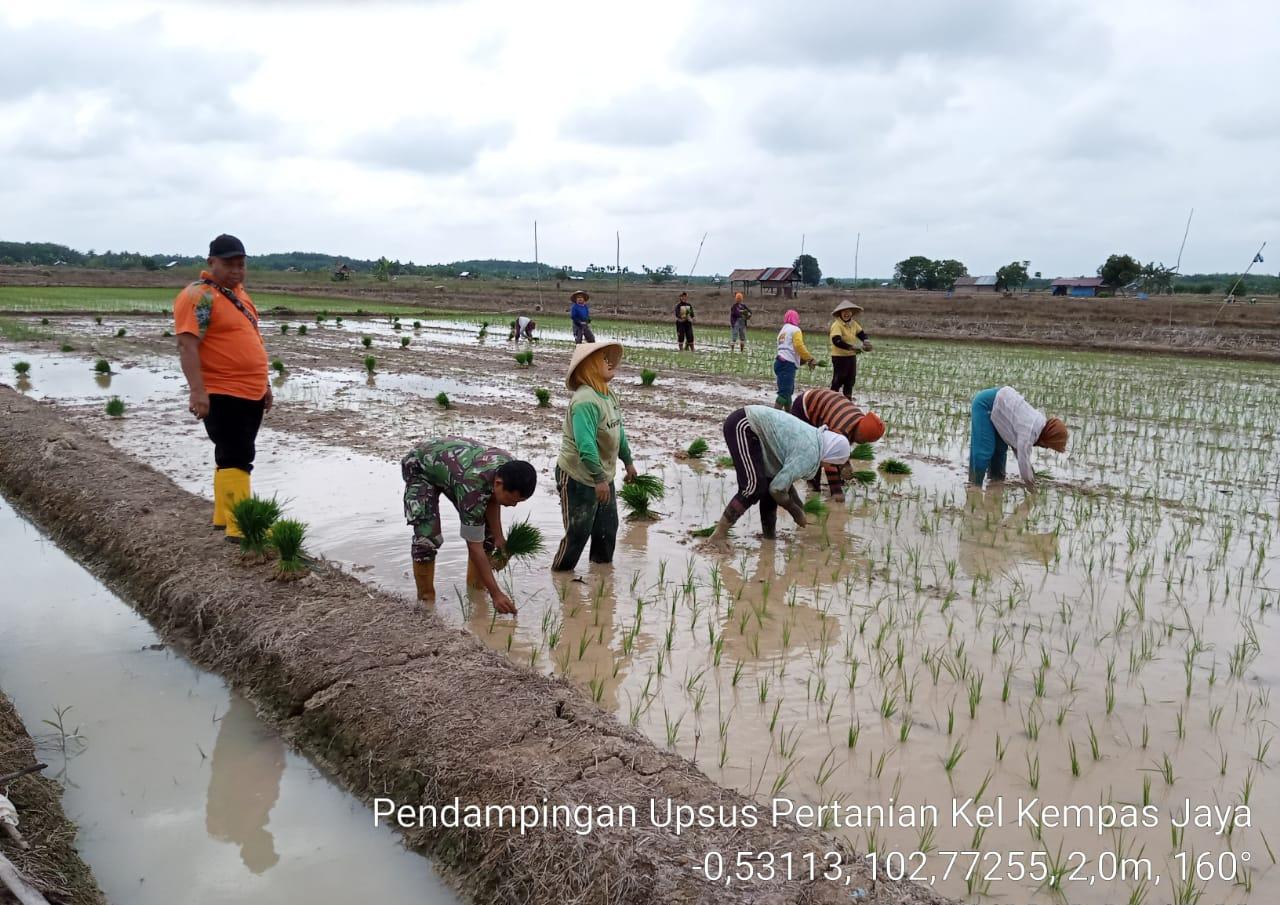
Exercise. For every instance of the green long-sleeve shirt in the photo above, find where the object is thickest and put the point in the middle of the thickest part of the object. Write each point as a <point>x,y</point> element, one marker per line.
<point>594,439</point>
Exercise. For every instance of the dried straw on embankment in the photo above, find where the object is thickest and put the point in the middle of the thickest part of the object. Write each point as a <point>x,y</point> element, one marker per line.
<point>393,701</point>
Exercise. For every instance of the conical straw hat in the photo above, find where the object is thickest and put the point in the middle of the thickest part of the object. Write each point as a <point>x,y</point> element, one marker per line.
<point>581,352</point>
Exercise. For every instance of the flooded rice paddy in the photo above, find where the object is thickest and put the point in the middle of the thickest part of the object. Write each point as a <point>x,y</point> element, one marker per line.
<point>1109,640</point>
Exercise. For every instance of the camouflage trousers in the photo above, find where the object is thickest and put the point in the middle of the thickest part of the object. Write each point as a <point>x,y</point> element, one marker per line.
<point>422,483</point>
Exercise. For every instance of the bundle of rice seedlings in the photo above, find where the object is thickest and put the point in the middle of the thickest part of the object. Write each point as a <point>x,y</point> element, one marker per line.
<point>102,366</point>
<point>277,365</point>
<point>524,539</point>
<point>286,536</point>
<point>865,477</point>
<point>698,448</point>
<point>115,407</point>
<point>417,325</point>
<point>319,319</point>
<point>647,377</point>
<point>164,333</point>
<point>525,358</point>
<point>121,332</point>
<point>370,363</point>
<point>404,342</point>
<point>44,321</point>
<point>484,330</point>
<point>254,516</point>
<point>284,328</point>
<point>705,532</point>
<point>302,329</point>
<point>544,397</point>
<point>815,506</point>
<point>637,495</point>
<point>98,320</point>
<point>22,367</point>
<point>895,466</point>
<point>366,341</point>
<point>863,452</point>
<point>67,347</point>
<point>651,484</point>
<point>442,400</point>
<point>338,321</point>
<point>725,461</point>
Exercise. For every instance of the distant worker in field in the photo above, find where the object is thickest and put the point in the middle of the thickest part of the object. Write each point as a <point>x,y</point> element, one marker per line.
<point>1001,418</point>
<point>580,314</point>
<point>522,328</point>
<point>684,322</point>
<point>479,480</point>
<point>829,409</point>
<point>791,355</point>
<point>224,360</point>
<point>771,450</point>
<point>739,315</point>
<point>593,442</point>
<point>847,340</point>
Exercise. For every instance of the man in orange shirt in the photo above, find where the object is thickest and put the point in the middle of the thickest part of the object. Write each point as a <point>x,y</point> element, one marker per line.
<point>225,363</point>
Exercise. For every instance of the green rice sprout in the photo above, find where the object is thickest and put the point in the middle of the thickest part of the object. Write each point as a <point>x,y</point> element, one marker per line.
<point>647,377</point>
<point>366,341</point>
<point>102,366</point>
<point>698,448</point>
<point>67,347</point>
<point>524,540</point>
<point>525,358</point>
<point>44,321</point>
<point>725,461</point>
<point>284,328</point>
<point>484,330</point>
<point>864,476</point>
<point>442,400</point>
<point>22,367</point>
<point>652,486</point>
<point>815,506</point>
<point>165,333</point>
<point>286,537</point>
<point>254,516</point>
<point>277,365</point>
<point>370,363</point>
<point>319,319</point>
<point>417,325</point>
<point>302,329</point>
<point>544,397</point>
<point>895,466</point>
<point>863,453</point>
<point>404,342</point>
<point>703,532</point>
<point>121,332</point>
<point>98,320</point>
<point>637,501</point>
<point>115,407</point>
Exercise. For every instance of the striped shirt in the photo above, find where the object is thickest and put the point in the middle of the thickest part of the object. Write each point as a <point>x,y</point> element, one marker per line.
<point>1019,425</point>
<point>829,409</point>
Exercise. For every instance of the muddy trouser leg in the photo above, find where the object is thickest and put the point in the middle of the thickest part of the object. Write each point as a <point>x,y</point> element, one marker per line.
<point>232,424</point>
<point>421,510</point>
<point>998,459</point>
<point>844,369</point>
<point>834,482</point>
<point>604,529</point>
<point>982,436</point>
<point>748,465</point>
<point>688,335</point>
<point>578,512</point>
<point>785,371</point>
<point>587,334</point>
<point>768,515</point>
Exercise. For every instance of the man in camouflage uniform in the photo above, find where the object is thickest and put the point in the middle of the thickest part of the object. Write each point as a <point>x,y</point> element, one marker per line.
<point>478,480</point>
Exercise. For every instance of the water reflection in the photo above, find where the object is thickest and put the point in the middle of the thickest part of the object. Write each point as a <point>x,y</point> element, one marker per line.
<point>992,542</point>
<point>246,768</point>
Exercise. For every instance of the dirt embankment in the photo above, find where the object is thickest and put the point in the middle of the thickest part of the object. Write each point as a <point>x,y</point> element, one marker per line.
<point>52,865</point>
<point>1183,324</point>
<point>394,702</point>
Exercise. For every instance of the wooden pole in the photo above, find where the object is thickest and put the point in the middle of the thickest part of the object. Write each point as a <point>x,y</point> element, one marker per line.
<point>696,258</point>
<point>537,266</point>
<point>22,891</point>
<point>856,248</point>
<point>617,270</point>
<point>1232,291</point>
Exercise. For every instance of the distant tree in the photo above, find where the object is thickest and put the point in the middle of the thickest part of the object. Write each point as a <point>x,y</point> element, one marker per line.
<point>1012,276</point>
<point>945,273</point>
<point>1156,278</point>
<point>659,274</point>
<point>831,281</point>
<point>915,272</point>
<point>382,270</point>
<point>807,267</point>
<point>1119,271</point>
<point>562,274</point>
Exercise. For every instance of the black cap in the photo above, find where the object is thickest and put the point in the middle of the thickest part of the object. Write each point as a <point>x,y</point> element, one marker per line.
<point>226,247</point>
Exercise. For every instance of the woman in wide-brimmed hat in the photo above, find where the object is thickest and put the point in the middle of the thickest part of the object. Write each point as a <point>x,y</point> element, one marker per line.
<point>580,314</point>
<point>1001,418</point>
<point>593,442</point>
<point>847,340</point>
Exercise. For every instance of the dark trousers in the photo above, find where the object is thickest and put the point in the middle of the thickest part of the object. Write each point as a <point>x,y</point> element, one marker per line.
<point>585,519</point>
<point>844,371</point>
<point>748,463</point>
<point>232,425</point>
<point>684,333</point>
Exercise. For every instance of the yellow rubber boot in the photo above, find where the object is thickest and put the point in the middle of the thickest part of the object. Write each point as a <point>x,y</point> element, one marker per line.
<point>235,487</point>
<point>424,576</point>
<point>219,505</point>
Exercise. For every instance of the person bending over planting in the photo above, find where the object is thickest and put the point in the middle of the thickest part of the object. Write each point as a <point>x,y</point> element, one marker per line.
<point>593,442</point>
<point>791,355</point>
<point>522,328</point>
<point>580,314</point>
<point>829,409</point>
<point>1001,418</point>
<point>479,480</point>
<point>847,340</point>
<point>771,450</point>
<point>224,360</point>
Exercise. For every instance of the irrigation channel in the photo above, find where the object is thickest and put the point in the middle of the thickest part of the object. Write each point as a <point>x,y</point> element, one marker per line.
<point>1108,640</point>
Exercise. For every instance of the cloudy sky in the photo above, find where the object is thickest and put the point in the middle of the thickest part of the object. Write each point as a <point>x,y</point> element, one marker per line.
<point>1052,131</point>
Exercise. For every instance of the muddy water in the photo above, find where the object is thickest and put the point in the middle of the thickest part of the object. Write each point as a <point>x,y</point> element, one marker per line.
<point>181,793</point>
<point>927,643</point>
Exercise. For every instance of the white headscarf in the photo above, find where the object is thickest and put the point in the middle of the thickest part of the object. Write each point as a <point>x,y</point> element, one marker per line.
<point>835,447</point>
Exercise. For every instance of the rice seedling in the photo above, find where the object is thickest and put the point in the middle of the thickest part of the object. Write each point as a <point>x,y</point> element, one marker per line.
<point>286,537</point>
<point>98,320</point>
<point>284,328</point>
<point>22,367</point>
<point>724,461</point>
<point>647,377</point>
<point>637,499</point>
<point>121,332</point>
<point>524,359</point>
<point>115,407</point>
<point>67,347</point>
<point>366,341</point>
<point>302,329</point>
<point>863,452</point>
<point>703,532</point>
<point>864,476</point>
<point>404,342</point>
<point>442,400</point>
<point>254,516</point>
<point>698,448</point>
<point>102,366</point>
<point>895,466</point>
<point>417,325</point>
<point>44,321</point>
<point>484,330</point>
<point>816,506</point>
<point>523,540</point>
<point>370,363</point>
<point>277,365</point>
<point>544,397</point>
